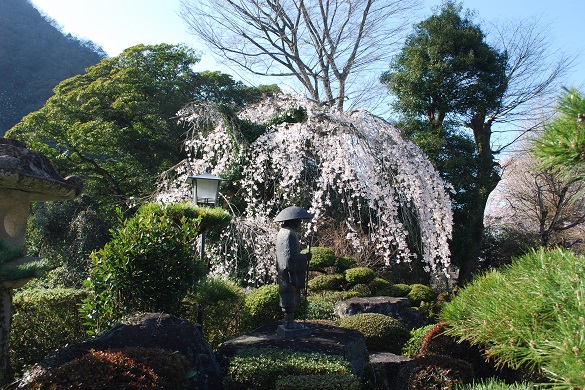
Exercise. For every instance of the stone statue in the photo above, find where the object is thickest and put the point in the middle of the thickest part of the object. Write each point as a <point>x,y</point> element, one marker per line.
<point>291,266</point>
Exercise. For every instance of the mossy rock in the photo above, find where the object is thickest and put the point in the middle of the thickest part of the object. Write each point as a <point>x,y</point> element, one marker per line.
<point>322,258</point>
<point>420,293</point>
<point>359,275</point>
<point>327,282</point>
<point>382,333</point>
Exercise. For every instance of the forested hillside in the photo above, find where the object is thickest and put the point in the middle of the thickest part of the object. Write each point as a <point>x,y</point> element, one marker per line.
<point>34,57</point>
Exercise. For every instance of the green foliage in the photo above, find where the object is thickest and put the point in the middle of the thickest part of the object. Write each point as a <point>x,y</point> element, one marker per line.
<point>434,372</point>
<point>42,321</point>
<point>379,286</point>
<point>412,347</point>
<point>322,258</point>
<point>361,275</point>
<point>399,290</point>
<point>327,282</point>
<point>12,270</point>
<point>221,302</point>
<point>128,368</point>
<point>362,289</point>
<point>420,293</point>
<point>344,263</point>
<point>262,305</point>
<point>321,308</point>
<point>321,382</point>
<point>535,313</point>
<point>562,145</point>
<point>382,333</point>
<point>259,368</point>
<point>496,384</point>
<point>150,264</point>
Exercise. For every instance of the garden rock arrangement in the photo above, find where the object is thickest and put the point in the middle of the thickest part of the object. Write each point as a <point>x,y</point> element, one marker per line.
<point>151,331</point>
<point>398,308</point>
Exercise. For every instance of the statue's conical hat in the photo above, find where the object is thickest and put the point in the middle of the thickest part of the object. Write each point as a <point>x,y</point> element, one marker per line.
<point>293,212</point>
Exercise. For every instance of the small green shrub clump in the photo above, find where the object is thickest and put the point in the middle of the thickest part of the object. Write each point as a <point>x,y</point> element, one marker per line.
<point>128,368</point>
<point>399,290</point>
<point>344,263</point>
<point>321,308</point>
<point>150,264</point>
<point>420,293</point>
<point>42,321</point>
<point>260,368</point>
<point>382,333</point>
<point>326,282</point>
<point>262,305</point>
<point>379,286</point>
<point>362,289</point>
<point>412,347</point>
<point>220,302</point>
<point>320,382</point>
<point>322,258</point>
<point>359,275</point>
<point>535,315</point>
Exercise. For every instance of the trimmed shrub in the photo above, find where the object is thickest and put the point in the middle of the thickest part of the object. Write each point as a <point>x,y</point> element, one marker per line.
<point>320,382</point>
<point>127,368</point>
<point>262,305</point>
<point>420,293</point>
<point>362,289</point>
<point>535,312</point>
<point>359,275</point>
<point>399,290</point>
<point>382,333</point>
<point>326,282</point>
<point>344,263</point>
<point>413,345</point>
<point>42,321</point>
<point>321,308</point>
<point>351,294</point>
<point>150,264</point>
<point>260,368</point>
<point>221,302</point>
<point>322,258</point>
<point>434,372</point>
<point>379,286</point>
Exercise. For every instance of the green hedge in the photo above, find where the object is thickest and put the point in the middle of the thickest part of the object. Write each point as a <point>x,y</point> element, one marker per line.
<point>359,275</point>
<point>260,368</point>
<point>534,310</point>
<point>382,333</point>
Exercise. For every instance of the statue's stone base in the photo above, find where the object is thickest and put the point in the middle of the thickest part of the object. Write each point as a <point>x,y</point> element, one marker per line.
<point>297,331</point>
<point>324,338</point>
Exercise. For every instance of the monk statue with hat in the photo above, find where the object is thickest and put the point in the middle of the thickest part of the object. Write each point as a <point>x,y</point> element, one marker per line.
<point>291,266</point>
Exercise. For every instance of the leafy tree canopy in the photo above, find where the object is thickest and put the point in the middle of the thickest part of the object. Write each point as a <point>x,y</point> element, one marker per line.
<point>116,125</point>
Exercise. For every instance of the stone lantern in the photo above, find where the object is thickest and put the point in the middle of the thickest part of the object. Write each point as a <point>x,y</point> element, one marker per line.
<point>25,176</point>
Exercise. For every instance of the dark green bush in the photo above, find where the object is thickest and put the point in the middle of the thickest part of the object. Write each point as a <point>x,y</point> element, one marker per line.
<point>321,308</point>
<point>344,263</point>
<point>382,333</point>
<point>412,347</point>
<point>359,275</point>
<point>42,321</point>
<point>326,282</point>
<point>220,303</point>
<point>320,382</point>
<point>262,305</point>
<point>259,368</point>
<point>151,263</point>
<point>380,287</point>
<point>322,258</point>
<point>420,293</point>
<point>399,290</point>
<point>128,368</point>
<point>362,289</point>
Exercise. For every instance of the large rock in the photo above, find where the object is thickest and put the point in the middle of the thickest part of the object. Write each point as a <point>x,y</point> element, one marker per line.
<point>398,308</point>
<point>149,331</point>
<point>324,338</point>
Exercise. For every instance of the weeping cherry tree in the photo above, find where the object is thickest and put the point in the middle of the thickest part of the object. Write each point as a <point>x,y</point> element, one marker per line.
<point>350,166</point>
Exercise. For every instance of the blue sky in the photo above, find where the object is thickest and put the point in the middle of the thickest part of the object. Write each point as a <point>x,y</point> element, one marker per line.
<point>119,24</point>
